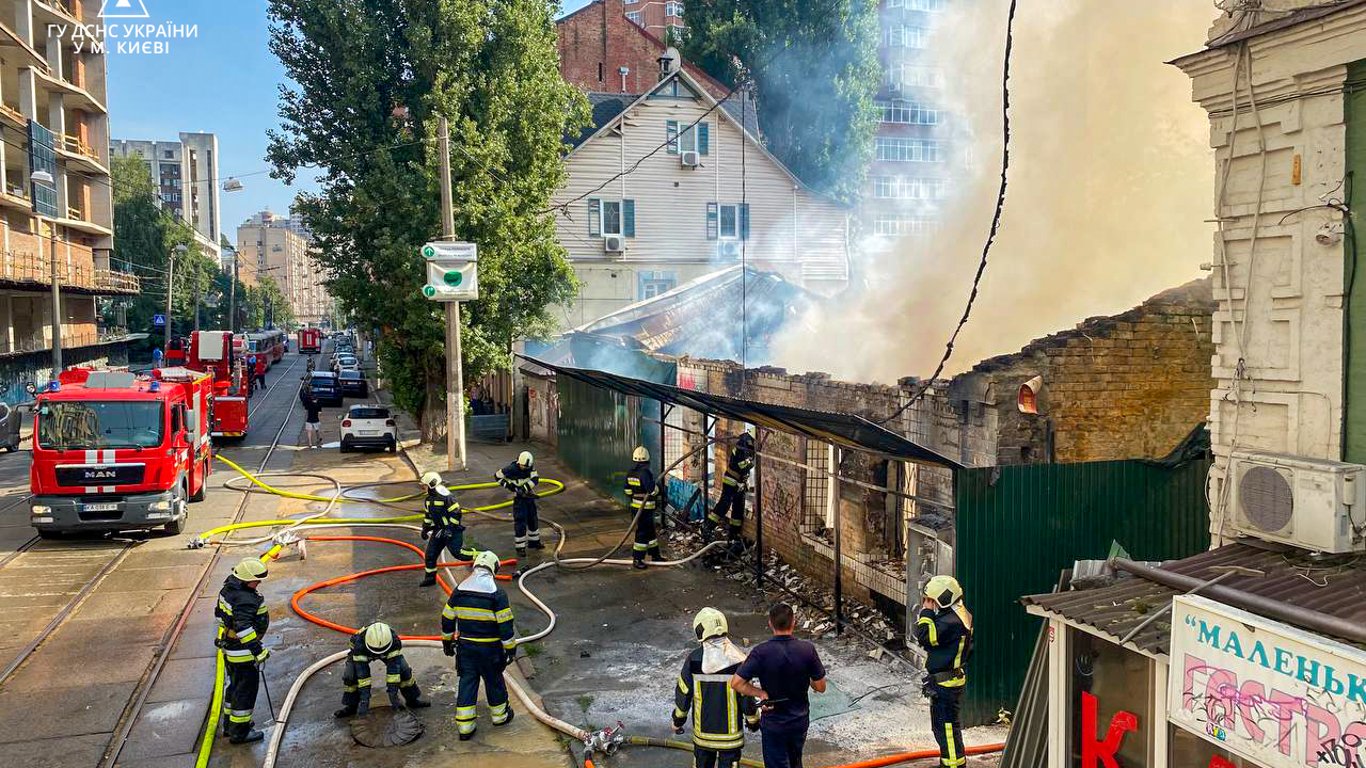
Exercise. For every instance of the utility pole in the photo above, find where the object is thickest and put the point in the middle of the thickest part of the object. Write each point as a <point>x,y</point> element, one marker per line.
<point>170,290</point>
<point>56,306</point>
<point>455,385</point>
<point>232,297</point>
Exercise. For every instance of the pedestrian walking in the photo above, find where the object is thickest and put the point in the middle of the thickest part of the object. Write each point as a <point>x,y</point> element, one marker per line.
<point>703,689</point>
<point>520,477</point>
<point>944,629</point>
<point>312,418</point>
<point>644,495</point>
<point>370,643</point>
<point>478,621</point>
<point>242,620</point>
<point>442,527</point>
<point>157,357</point>
<point>786,669</point>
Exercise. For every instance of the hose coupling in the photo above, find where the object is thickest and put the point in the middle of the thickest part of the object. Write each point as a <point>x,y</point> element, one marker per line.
<point>606,740</point>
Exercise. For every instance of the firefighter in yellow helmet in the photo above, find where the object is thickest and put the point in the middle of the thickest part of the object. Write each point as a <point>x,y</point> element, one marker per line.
<point>703,689</point>
<point>643,493</point>
<point>520,477</point>
<point>377,642</point>
<point>242,619</point>
<point>944,630</point>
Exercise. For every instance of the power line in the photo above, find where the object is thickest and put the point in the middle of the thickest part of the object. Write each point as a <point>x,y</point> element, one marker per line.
<point>995,222</point>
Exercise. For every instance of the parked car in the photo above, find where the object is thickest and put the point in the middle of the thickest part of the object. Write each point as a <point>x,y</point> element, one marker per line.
<point>345,361</point>
<point>353,383</point>
<point>325,387</point>
<point>10,421</point>
<point>368,426</point>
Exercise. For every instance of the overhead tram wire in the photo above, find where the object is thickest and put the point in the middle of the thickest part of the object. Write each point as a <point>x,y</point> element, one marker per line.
<point>991,234</point>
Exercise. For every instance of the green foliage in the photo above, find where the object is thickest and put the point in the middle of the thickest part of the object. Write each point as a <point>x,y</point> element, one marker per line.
<point>815,70</point>
<point>372,76</point>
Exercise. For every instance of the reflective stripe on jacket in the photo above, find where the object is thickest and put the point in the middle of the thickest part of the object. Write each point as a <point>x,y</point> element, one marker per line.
<point>718,712</point>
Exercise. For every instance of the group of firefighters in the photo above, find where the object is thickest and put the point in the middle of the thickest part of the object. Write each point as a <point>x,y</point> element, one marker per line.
<point>477,626</point>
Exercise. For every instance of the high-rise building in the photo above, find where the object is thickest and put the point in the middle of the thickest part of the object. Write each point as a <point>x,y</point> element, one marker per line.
<point>185,173</point>
<point>56,203</point>
<point>280,247</point>
<point>661,18</point>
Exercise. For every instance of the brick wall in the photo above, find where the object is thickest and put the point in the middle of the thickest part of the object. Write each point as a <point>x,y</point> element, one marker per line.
<point>598,39</point>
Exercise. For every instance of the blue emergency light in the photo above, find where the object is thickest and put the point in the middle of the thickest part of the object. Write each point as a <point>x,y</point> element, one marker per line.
<point>155,386</point>
<point>54,386</point>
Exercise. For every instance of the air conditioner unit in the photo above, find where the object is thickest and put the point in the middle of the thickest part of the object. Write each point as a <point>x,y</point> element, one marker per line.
<point>613,243</point>
<point>1314,504</point>
<point>894,89</point>
<point>728,249</point>
<point>689,159</point>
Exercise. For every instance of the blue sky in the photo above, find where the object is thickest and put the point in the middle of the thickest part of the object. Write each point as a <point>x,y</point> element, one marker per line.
<point>225,81</point>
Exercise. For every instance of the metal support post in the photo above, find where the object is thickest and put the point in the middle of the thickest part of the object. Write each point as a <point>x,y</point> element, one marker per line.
<point>758,514</point>
<point>839,578</point>
<point>706,472</point>
<point>56,306</point>
<point>170,289</point>
<point>455,385</point>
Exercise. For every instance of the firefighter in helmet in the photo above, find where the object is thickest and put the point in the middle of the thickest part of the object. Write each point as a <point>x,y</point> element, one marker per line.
<point>520,477</point>
<point>478,617</point>
<point>703,688</point>
<point>242,619</point>
<point>377,642</point>
<point>731,507</point>
<point>643,492</point>
<point>944,630</point>
<point>441,527</point>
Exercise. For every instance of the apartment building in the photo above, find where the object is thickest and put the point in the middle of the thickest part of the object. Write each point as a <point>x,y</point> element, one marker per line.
<point>661,18</point>
<point>280,247</point>
<point>185,173</point>
<point>56,204</point>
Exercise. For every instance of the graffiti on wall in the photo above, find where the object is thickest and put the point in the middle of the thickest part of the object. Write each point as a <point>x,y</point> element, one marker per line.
<point>1269,692</point>
<point>783,482</point>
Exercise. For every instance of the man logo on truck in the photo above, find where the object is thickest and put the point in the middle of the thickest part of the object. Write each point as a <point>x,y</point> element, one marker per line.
<point>100,474</point>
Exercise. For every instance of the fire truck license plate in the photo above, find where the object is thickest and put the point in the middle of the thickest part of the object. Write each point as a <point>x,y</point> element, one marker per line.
<point>99,507</point>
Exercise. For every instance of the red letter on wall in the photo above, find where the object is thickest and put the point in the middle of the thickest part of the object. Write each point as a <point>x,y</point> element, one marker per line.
<point>1102,751</point>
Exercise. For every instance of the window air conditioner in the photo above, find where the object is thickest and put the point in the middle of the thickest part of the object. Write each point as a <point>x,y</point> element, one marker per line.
<point>613,244</point>
<point>728,249</point>
<point>1314,504</point>
<point>689,159</point>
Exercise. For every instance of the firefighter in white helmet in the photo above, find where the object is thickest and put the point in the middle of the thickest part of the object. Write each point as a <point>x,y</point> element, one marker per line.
<point>643,493</point>
<point>377,642</point>
<point>478,621</point>
<point>703,689</point>
<point>944,630</point>
<point>242,619</point>
<point>520,477</point>
<point>442,527</point>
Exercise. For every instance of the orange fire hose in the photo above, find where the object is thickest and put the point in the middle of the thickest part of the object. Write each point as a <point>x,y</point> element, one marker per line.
<point>920,754</point>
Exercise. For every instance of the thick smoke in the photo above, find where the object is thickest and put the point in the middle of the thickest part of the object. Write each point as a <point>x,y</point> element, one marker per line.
<point>1111,182</point>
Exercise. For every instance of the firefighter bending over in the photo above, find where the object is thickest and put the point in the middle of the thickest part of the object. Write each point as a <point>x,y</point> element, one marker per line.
<point>704,690</point>
<point>944,629</point>
<point>377,642</point>
<point>731,507</point>
<point>478,620</point>
<point>242,622</point>
<point>520,478</point>
<point>643,492</point>
<point>441,527</point>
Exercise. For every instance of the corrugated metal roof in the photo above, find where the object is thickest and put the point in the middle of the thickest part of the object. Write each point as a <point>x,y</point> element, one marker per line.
<point>1333,585</point>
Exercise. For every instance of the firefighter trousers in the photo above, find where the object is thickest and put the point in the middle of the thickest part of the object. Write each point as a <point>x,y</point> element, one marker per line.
<point>526,525</point>
<point>647,539</point>
<point>451,539</point>
<point>244,678</point>
<point>712,758</point>
<point>476,662</point>
<point>947,724</point>
<point>353,684</point>
<point>730,510</point>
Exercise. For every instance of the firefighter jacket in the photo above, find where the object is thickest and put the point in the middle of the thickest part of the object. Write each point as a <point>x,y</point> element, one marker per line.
<point>739,466</point>
<point>242,621</point>
<point>479,611</point>
<point>520,480</point>
<point>440,510</point>
<point>718,712</point>
<point>946,634</point>
<point>359,657</point>
<point>641,487</point>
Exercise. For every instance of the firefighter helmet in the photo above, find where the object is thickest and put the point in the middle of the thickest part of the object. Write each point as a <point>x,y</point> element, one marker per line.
<point>431,479</point>
<point>640,454</point>
<point>525,460</point>
<point>944,590</point>
<point>488,560</point>
<point>378,637</point>
<point>747,438</point>
<point>709,623</point>
<point>250,569</point>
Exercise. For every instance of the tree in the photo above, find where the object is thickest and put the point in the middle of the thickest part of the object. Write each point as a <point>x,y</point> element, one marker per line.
<point>815,70</point>
<point>372,76</point>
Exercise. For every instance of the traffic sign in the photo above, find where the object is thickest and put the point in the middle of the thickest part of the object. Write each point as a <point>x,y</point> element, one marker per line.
<point>452,271</point>
<point>159,321</point>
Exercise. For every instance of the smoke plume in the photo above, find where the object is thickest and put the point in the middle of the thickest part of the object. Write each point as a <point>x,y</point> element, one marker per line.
<point>1111,181</point>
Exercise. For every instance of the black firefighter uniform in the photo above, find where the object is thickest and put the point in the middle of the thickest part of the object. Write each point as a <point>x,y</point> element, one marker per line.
<point>644,495</point>
<point>731,507</point>
<point>481,614</point>
<point>398,676</point>
<point>946,634</point>
<point>718,711</point>
<point>442,520</point>
<point>242,623</point>
<point>526,526</point>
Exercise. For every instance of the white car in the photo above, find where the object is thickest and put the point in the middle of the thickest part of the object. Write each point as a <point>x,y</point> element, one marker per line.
<point>345,362</point>
<point>368,426</point>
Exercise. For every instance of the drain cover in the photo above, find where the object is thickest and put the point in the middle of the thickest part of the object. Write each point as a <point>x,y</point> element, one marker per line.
<point>386,727</point>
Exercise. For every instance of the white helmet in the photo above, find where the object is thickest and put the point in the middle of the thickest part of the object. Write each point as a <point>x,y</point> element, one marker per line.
<point>709,623</point>
<point>378,637</point>
<point>488,560</point>
<point>640,454</point>
<point>525,460</point>
<point>250,569</point>
<point>944,590</point>
<point>431,479</point>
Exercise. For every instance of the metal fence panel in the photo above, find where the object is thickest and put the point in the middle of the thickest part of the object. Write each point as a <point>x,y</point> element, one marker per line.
<point>1019,526</point>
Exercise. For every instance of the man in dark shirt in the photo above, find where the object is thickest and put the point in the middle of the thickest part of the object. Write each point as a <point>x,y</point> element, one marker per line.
<point>785,667</point>
<point>312,425</point>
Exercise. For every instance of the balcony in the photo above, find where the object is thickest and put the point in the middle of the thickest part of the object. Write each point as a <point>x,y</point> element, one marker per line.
<point>74,335</point>
<point>13,116</point>
<point>81,154</point>
<point>9,38</point>
<point>28,264</point>
<point>78,97</point>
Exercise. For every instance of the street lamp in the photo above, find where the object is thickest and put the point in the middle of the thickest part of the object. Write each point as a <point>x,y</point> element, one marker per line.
<point>43,177</point>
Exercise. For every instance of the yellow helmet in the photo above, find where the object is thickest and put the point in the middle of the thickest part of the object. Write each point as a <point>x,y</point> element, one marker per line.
<point>378,637</point>
<point>486,559</point>
<point>525,460</point>
<point>640,454</point>
<point>709,623</point>
<point>250,569</point>
<point>944,590</point>
<point>430,479</point>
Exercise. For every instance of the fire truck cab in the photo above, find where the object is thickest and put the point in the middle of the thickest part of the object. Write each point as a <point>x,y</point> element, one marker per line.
<point>214,352</point>
<point>114,451</point>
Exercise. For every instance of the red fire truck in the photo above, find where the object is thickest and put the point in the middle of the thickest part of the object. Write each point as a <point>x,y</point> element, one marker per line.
<point>310,341</point>
<point>175,352</point>
<point>115,451</point>
<point>213,353</point>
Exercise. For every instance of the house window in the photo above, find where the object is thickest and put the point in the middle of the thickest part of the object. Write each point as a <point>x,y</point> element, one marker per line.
<point>903,188</point>
<point>654,283</point>
<point>928,6</point>
<point>629,2</point>
<point>634,16</point>
<point>688,138</point>
<point>908,112</point>
<point>673,8</point>
<point>902,36</point>
<point>896,225</point>
<point>168,154</point>
<point>899,150</point>
<point>611,217</point>
<point>727,221</point>
<point>914,76</point>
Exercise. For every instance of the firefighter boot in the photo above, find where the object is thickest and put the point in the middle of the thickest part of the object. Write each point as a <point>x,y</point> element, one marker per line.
<point>428,580</point>
<point>345,712</point>
<point>250,737</point>
<point>638,561</point>
<point>656,555</point>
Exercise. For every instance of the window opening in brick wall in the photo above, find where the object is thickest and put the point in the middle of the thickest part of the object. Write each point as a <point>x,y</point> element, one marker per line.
<point>673,439</point>
<point>816,496</point>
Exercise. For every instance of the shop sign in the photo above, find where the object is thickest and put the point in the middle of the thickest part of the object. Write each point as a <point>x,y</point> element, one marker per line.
<point>1274,694</point>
